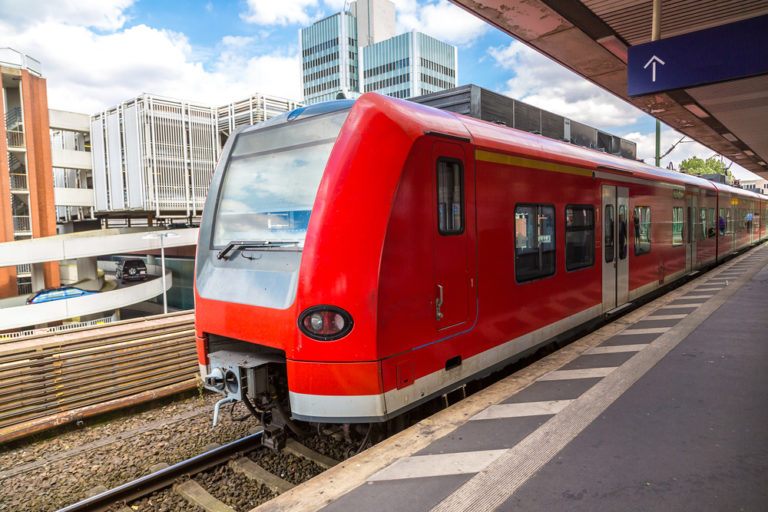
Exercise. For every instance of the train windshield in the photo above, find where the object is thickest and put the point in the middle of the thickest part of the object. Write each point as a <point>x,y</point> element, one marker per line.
<point>271,180</point>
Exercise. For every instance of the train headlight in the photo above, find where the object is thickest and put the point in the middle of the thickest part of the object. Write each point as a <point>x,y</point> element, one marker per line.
<point>325,323</point>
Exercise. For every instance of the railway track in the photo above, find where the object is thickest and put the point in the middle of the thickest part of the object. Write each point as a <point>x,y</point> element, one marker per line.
<point>207,480</point>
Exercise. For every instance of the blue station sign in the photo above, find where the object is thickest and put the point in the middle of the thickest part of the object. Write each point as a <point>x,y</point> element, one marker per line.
<point>718,54</point>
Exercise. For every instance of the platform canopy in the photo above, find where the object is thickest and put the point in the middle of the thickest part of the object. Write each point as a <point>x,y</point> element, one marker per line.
<point>706,76</point>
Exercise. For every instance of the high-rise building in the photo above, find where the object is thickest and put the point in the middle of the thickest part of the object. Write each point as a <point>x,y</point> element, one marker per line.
<point>329,58</point>
<point>411,64</point>
<point>26,181</point>
<point>356,51</point>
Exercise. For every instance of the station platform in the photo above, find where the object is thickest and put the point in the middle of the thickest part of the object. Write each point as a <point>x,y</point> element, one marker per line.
<point>664,409</point>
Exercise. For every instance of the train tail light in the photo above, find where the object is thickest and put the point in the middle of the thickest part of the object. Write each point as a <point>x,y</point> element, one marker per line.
<point>325,323</point>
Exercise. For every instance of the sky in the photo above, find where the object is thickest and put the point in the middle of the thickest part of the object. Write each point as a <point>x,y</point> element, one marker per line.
<point>98,53</point>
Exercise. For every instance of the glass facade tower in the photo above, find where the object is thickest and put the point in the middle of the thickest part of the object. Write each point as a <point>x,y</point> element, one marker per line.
<point>335,64</point>
<point>411,64</point>
<point>329,58</point>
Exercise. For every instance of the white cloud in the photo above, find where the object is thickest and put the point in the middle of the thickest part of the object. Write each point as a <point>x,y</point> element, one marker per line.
<point>646,151</point>
<point>441,20</point>
<point>437,18</point>
<point>284,12</point>
<point>546,84</point>
<point>541,82</point>
<point>88,71</point>
<point>100,14</point>
<point>237,42</point>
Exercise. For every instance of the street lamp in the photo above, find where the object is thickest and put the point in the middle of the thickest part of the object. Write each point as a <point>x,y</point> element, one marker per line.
<point>162,235</point>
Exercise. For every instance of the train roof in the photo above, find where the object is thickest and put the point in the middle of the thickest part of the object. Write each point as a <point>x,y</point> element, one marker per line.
<point>490,135</point>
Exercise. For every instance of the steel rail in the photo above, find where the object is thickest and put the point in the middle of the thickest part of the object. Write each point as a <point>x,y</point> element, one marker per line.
<point>160,479</point>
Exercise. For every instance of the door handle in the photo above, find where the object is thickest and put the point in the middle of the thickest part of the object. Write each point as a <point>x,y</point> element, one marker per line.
<point>439,303</point>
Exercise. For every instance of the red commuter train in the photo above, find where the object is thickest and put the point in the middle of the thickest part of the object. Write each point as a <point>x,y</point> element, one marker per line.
<point>359,258</point>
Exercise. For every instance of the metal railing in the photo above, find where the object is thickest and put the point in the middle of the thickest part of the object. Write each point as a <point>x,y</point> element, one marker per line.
<point>8,336</point>
<point>24,268</point>
<point>21,289</point>
<point>19,181</point>
<point>14,163</point>
<point>15,138</point>
<point>21,224</point>
<point>47,380</point>
<point>16,59</point>
<point>12,117</point>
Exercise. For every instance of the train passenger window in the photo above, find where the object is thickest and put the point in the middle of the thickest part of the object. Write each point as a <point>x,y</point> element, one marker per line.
<point>623,234</point>
<point>728,220</point>
<point>608,236</point>
<point>711,225</point>
<point>677,225</point>
<point>534,241</point>
<point>579,237</point>
<point>702,224</point>
<point>721,222</point>
<point>450,197</point>
<point>642,223</point>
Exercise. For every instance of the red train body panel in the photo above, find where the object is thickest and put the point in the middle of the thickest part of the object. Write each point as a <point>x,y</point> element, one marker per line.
<point>452,245</point>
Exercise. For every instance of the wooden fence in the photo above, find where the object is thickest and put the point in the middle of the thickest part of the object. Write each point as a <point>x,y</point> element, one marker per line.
<point>57,378</point>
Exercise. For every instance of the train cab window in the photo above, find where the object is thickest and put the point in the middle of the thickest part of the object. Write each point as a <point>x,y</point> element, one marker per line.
<point>579,237</point>
<point>642,225</point>
<point>450,197</point>
<point>534,241</point>
<point>677,225</point>
<point>702,224</point>
<point>711,225</point>
<point>608,235</point>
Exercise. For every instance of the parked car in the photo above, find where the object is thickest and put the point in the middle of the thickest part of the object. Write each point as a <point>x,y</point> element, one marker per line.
<point>51,294</point>
<point>131,269</point>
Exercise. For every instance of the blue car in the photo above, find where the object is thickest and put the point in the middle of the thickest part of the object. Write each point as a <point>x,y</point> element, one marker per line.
<point>51,294</point>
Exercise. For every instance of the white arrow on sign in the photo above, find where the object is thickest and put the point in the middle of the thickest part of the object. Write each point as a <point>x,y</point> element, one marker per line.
<point>652,62</point>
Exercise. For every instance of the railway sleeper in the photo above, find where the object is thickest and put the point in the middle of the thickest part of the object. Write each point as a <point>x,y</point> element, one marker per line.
<point>295,448</point>
<point>196,495</point>
<point>258,474</point>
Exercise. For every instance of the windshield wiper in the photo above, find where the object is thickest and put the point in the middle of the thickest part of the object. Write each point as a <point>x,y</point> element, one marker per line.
<point>243,244</point>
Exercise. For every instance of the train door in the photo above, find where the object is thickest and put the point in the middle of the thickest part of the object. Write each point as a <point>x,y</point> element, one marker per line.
<point>615,247</point>
<point>691,213</point>
<point>454,278</point>
<point>756,222</point>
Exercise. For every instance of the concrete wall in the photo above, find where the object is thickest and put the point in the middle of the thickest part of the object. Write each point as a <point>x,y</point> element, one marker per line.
<point>39,169</point>
<point>72,121</point>
<point>35,314</point>
<point>71,159</point>
<point>7,275</point>
<point>89,243</point>
<point>73,196</point>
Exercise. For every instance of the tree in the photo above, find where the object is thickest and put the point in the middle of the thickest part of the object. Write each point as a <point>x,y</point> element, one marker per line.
<point>697,166</point>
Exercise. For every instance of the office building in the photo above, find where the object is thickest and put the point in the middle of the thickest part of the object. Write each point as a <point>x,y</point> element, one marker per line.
<point>26,181</point>
<point>356,51</point>
<point>408,65</point>
<point>329,58</point>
